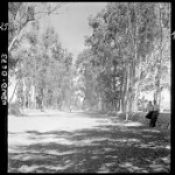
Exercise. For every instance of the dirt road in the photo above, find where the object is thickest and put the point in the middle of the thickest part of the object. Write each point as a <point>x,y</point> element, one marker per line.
<point>55,142</point>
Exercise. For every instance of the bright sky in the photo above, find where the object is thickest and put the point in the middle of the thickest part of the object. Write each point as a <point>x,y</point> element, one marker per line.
<point>72,24</point>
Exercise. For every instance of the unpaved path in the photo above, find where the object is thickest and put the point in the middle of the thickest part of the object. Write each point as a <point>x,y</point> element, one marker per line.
<point>55,142</point>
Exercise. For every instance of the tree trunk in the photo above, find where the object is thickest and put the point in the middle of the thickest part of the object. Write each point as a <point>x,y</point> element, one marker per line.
<point>135,59</point>
<point>17,37</point>
<point>42,100</point>
<point>131,66</point>
<point>128,92</point>
<point>157,96</point>
<point>122,99</point>
<point>28,101</point>
<point>123,91</point>
<point>132,85</point>
<point>13,94</point>
<point>137,88</point>
<point>137,92</point>
<point>118,104</point>
<point>35,84</point>
<point>100,104</point>
<point>133,34</point>
<point>34,96</point>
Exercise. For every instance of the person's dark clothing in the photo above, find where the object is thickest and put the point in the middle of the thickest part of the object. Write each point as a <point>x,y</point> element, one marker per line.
<point>149,115</point>
<point>150,109</point>
<point>154,116</point>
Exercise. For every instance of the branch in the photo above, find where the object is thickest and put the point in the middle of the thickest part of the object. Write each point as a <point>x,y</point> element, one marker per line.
<point>51,11</point>
<point>55,8</point>
<point>17,37</point>
<point>20,32</point>
<point>46,13</point>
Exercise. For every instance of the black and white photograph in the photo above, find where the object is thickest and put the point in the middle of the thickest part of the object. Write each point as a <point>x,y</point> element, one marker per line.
<point>89,87</point>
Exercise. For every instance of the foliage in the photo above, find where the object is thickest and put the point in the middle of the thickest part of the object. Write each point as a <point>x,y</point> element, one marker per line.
<point>124,52</point>
<point>45,66</point>
<point>127,52</point>
<point>14,109</point>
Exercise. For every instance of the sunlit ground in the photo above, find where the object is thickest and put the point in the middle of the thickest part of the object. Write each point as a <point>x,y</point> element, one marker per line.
<point>51,142</point>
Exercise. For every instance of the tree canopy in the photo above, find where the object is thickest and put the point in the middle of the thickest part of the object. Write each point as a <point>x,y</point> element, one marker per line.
<point>127,53</point>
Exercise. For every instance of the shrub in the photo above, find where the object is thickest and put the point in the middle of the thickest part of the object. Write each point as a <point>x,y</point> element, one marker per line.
<point>14,109</point>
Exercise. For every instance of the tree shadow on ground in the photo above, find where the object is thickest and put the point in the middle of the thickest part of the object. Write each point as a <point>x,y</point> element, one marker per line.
<point>106,148</point>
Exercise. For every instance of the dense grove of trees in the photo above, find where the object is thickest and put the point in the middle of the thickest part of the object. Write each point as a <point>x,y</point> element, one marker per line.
<point>45,69</point>
<point>128,52</point>
<point>41,66</point>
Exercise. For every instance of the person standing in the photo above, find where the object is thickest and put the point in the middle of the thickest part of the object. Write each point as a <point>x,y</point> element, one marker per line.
<point>155,114</point>
<point>150,110</point>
